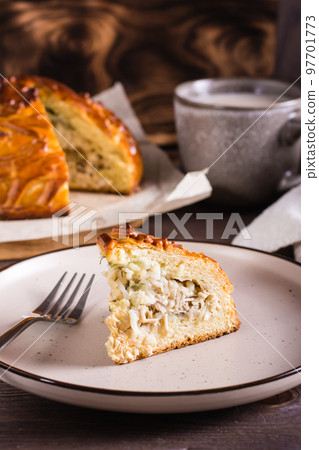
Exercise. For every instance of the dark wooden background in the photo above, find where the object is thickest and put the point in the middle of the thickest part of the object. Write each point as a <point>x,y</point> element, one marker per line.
<point>149,45</point>
<point>36,423</point>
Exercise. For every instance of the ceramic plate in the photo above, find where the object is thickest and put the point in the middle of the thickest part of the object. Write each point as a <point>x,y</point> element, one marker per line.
<point>70,364</point>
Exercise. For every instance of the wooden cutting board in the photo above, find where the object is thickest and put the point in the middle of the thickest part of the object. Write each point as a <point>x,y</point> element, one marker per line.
<point>34,247</point>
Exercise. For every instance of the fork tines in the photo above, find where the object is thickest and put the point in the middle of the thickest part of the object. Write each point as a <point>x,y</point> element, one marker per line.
<point>72,309</point>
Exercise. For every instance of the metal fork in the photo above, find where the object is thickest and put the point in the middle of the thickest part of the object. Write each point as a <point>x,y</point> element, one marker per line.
<point>50,311</point>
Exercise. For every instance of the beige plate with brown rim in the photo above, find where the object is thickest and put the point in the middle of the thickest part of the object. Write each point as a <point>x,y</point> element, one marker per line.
<point>70,364</point>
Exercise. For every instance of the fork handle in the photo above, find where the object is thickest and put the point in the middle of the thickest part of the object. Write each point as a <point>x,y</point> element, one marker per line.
<point>9,335</point>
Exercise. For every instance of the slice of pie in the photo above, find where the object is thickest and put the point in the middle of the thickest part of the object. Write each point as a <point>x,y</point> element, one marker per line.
<point>162,296</point>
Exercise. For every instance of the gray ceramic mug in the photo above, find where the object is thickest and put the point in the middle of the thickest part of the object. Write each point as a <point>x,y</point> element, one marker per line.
<point>253,154</point>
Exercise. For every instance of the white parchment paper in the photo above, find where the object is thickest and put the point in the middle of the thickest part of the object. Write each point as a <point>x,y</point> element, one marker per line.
<point>163,188</point>
<point>277,226</point>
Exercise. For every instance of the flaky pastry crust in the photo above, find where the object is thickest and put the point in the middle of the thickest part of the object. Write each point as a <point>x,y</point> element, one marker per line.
<point>33,170</point>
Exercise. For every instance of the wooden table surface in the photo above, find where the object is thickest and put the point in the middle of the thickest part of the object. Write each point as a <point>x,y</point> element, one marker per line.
<point>27,421</point>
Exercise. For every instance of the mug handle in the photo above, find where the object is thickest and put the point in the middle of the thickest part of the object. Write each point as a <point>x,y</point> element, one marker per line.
<point>289,135</point>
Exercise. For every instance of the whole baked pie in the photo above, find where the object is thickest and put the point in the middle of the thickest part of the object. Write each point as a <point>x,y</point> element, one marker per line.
<point>52,140</point>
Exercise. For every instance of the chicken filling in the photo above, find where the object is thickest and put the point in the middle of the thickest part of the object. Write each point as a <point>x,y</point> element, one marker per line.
<point>143,296</point>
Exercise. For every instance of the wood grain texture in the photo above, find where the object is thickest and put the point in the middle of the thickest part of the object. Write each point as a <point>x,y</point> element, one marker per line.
<point>32,422</point>
<point>149,45</point>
